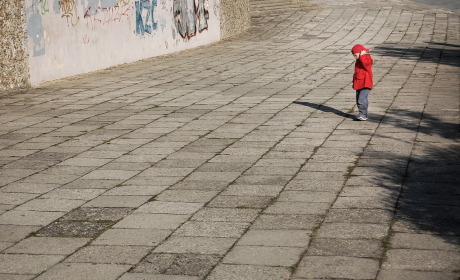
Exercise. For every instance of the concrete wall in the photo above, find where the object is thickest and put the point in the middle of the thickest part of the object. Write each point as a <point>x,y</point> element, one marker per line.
<point>51,39</point>
<point>14,67</point>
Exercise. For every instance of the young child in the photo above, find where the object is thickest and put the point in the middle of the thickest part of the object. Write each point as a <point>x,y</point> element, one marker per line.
<point>362,79</point>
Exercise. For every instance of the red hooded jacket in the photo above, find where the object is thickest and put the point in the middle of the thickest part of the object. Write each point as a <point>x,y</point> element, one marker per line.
<point>362,78</point>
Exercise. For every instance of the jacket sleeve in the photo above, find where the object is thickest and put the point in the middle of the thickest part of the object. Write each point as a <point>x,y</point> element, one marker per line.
<point>367,62</point>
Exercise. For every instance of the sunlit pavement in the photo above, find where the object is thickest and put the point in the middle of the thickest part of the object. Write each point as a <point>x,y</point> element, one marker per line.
<point>243,159</point>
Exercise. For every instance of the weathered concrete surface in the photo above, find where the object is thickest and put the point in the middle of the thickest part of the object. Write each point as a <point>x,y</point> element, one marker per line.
<point>249,164</point>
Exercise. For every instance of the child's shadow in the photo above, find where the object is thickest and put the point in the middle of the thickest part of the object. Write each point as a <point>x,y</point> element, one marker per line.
<point>325,108</point>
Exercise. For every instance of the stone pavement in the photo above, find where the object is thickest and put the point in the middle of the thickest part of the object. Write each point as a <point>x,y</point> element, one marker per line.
<point>242,160</point>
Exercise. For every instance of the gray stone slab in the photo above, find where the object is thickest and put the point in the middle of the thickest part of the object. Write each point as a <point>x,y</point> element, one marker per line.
<point>297,208</point>
<point>149,276</point>
<point>314,186</point>
<point>92,184</point>
<point>345,247</point>
<point>16,276</point>
<point>196,245</point>
<point>186,196</point>
<point>76,229</point>
<point>27,264</point>
<point>312,267</point>
<point>253,190</point>
<point>250,202</point>
<point>117,201</point>
<point>132,237</point>
<point>377,216</point>
<point>212,229</point>
<point>110,254</point>
<point>168,207</point>
<point>29,218</point>
<point>110,175</point>
<point>51,204</point>
<point>16,198</point>
<point>425,260</point>
<point>153,221</point>
<point>353,231</point>
<point>78,194</point>
<point>306,196</point>
<point>287,222</point>
<point>275,238</point>
<point>365,202</point>
<point>412,274</point>
<point>85,271</point>
<point>225,215</point>
<point>47,246</point>
<point>13,233</point>
<point>260,255</point>
<point>177,264</point>
<point>425,242</point>
<point>253,272</point>
<point>97,214</point>
<point>136,190</point>
<point>29,188</point>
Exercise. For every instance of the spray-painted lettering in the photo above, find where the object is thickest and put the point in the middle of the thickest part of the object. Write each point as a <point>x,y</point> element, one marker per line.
<point>107,15</point>
<point>142,25</point>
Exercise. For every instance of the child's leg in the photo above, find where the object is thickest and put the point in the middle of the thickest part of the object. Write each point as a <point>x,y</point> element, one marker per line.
<point>362,101</point>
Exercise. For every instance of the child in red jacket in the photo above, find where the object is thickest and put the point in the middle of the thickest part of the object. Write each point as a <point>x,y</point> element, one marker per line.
<point>362,79</point>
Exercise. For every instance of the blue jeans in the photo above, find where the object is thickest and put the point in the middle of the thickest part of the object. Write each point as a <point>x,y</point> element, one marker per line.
<point>362,102</point>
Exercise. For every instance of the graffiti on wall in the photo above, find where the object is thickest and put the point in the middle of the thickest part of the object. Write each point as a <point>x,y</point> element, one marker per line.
<point>145,21</point>
<point>69,11</point>
<point>103,15</point>
<point>186,13</point>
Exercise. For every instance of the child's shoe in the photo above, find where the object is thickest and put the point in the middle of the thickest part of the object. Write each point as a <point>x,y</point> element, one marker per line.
<point>362,119</point>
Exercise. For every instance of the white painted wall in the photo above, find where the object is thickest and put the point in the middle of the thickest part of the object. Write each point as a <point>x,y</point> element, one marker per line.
<point>70,37</point>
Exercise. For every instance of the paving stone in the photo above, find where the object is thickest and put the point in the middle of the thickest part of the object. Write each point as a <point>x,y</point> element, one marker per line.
<point>47,246</point>
<point>74,229</point>
<point>97,214</point>
<point>167,207</point>
<point>297,208</point>
<point>196,245</point>
<point>153,221</point>
<point>132,237</point>
<point>225,215</point>
<point>186,195</point>
<point>13,233</point>
<point>314,186</point>
<point>275,238</point>
<point>306,196</point>
<point>353,231</point>
<point>16,276</point>
<point>148,276</point>
<point>76,194</point>
<point>379,216</point>
<point>212,229</point>
<point>345,247</point>
<point>287,222</point>
<point>51,204</point>
<point>27,264</point>
<point>29,188</point>
<point>335,267</point>
<point>84,271</point>
<point>250,202</point>
<point>255,272</point>
<point>16,198</point>
<point>109,254</point>
<point>29,218</point>
<point>365,202</point>
<point>252,190</point>
<point>177,264</point>
<point>425,242</point>
<point>429,260</point>
<point>117,201</point>
<point>411,274</point>
<point>136,190</point>
<point>92,184</point>
<point>260,255</point>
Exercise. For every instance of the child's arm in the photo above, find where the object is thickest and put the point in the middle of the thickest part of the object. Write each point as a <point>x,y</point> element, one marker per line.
<point>367,61</point>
